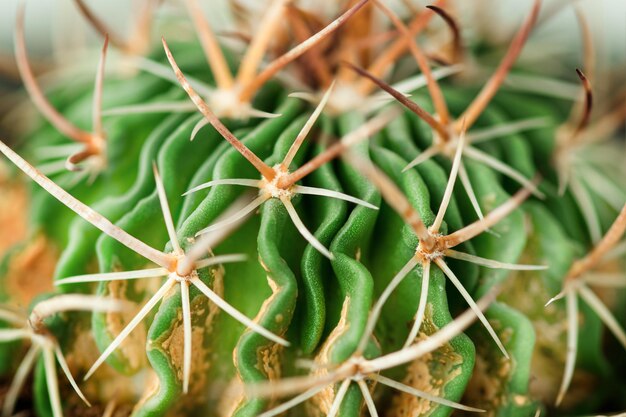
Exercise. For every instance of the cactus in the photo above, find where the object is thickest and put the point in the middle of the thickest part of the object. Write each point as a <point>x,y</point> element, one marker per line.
<point>339,221</point>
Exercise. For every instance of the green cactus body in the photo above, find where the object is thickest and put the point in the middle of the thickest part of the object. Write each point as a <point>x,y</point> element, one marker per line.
<point>288,286</point>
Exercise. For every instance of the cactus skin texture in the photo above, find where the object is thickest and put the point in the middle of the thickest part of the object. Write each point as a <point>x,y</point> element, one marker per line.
<point>538,211</point>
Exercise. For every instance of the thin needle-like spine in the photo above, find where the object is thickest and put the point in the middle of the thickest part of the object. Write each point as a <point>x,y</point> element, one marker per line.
<point>433,87</point>
<point>421,307</point>
<point>97,92</point>
<point>296,384</point>
<point>384,296</point>
<point>572,343</point>
<point>447,195</point>
<point>48,345</point>
<point>113,276</point>
<point>197,128</point>
<point>557,297</point>
<point>164,72</point>
<point>574,286</point>
<point>367,396</point>
<point>221,259</point>
<point>604,313</point>
<point>602,248</point>
<point>494,217</point>
<point>314,57</point>
<point>86,212</point>
<point>34,90</point>
<point>507,129</point>
<point>253,205</point>
<point>543,86</point>
<point>424,156</point>
<point>21,374</point>
<point>140,38</point>
<point>585,203</point>
<point>587,41</point>
<point>490,263</point>
<point>421,394</point>
<point>339,396</point>
<point>138,318</point>
<point>236,314</point>
<point>11,316</point>
<point>606,125</point>
<point>52,382</point>
<point>605,280</point>
<point>226,181</point>
<point>391,54</point>
<point>44,153</point>
<point>615,253</point>
<point>394,197</point>
<point>163,107</point>
<point>187,335</point>
<point>100,26</point>
<point>210,46</point>
<point>609,191</point>
<point>303,189</point>
<point>77,302</point>
<point>489,90</point>
<point>9,335</point>
<point>165,209</point>
<point>263,168</point>
<point>469,190</point>
<point>436,340</point>
<point>497,165</point>
<point>295,218</point>
<point>402,99</point>
<point>207,241</point>
<point>287,405</point>
<point>358,135</point>
<point>110,408</point>
<point>68,374</point>
<point>262,114</point>
<point>306,129</point>
<point>260,42</point>
<point>418,81</point>
<point>457,48</point>
<point>587,106</point>
<point>468,298</point>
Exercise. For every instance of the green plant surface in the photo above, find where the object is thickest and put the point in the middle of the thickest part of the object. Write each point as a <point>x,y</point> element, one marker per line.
<point>499,229</point>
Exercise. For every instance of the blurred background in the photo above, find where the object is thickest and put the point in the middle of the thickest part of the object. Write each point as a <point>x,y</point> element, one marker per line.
<point>58,36</point>
<point>55,28</point>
